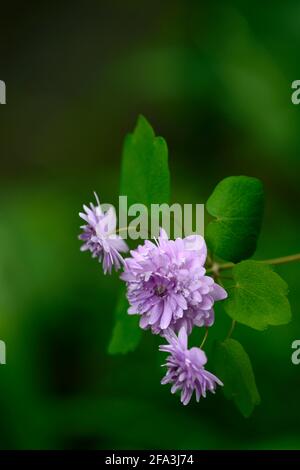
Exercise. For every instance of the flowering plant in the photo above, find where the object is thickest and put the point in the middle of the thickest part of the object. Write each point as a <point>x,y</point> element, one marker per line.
<point>172,285</point>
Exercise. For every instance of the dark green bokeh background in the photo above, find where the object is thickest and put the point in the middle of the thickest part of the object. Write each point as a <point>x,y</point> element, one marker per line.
<point>215,81</point>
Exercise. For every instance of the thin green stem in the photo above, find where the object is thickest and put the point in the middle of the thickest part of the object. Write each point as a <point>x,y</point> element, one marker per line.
<point>204,338</point>
<point>283,259</point>
<point>124,229</point>
<point>273,261</point>
<point>209,259</point>
<point>231,329</point>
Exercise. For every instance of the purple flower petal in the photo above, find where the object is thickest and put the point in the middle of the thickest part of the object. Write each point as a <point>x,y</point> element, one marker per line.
<point>185,368</point>
<point>166,283</point>
<point>100,237</point>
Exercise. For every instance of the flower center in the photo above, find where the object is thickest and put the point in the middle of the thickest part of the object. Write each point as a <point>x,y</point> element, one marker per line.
<point>160,290</point>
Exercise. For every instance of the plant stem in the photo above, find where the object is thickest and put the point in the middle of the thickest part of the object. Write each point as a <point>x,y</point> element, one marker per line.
<point>204,339</point>
<point>127,229</point>
<point>282,260</point>
<point>124,229</point>
<point>231,329</point>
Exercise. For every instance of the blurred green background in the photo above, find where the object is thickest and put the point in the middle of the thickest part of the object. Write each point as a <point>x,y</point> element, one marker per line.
<point>215,81</point>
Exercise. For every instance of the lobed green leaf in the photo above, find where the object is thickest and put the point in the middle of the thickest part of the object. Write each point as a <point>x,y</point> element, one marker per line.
<point>233,367</point>
<point>145,175</point>
<point>237,204</point>
<point>126,333</point>
<point>145,180</point>
<point>258,296</point>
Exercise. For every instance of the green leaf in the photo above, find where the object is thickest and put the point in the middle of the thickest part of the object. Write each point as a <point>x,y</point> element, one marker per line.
<point>258,296</point>
<point>233,367</point>
<point>145,180</point>
<point>126,333</point>
<point>237,203</point>
<point>145,175</point>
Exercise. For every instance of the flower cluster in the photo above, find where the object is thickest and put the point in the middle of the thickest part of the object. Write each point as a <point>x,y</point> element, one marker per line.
<point>168,288</point>
<point>167,285</point>
<point>186,368</point>
<point>100,238</point>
